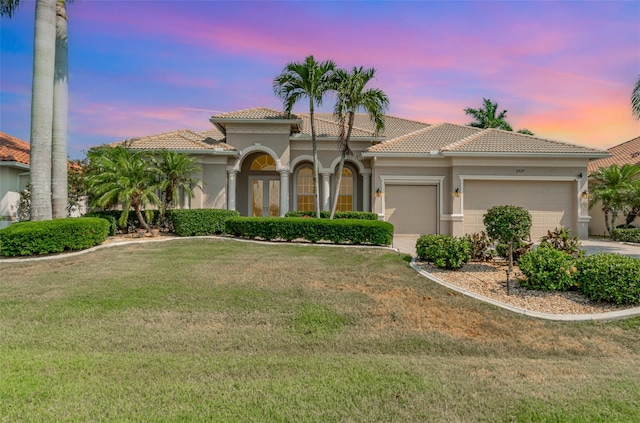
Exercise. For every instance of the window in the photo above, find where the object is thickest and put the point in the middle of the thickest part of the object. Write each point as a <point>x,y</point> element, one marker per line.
<point>345,196</point>
<point>263,162</point>
<point>305,198</point>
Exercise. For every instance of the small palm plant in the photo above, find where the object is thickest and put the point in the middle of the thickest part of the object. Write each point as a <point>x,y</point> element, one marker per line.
<point>118,176</point>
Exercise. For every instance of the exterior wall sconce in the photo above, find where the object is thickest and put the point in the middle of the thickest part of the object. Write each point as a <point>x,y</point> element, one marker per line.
<point>584,194</point>
<point>457,192</point>
<point>580,175</point>
<point>378,193</point>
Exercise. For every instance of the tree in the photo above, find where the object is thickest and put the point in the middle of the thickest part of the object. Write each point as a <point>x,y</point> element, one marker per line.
<point>351,98</point>
<point>611,187</point>
<point>118,176</point>
<point>525,131</point>
<point>174,171</point>
<point>311,80</point>
<point>635,100</point>
<point>508,225</point>
<point>49,64</point>
<point>488,116</point>
<point>59,164</point>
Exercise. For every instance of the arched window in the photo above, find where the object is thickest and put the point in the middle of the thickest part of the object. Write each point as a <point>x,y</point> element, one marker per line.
<point>345,196</point>
<point>304,189</point>
<point>263,162</point>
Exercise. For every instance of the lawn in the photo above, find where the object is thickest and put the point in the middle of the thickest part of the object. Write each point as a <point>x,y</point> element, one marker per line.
<point>218,330</point>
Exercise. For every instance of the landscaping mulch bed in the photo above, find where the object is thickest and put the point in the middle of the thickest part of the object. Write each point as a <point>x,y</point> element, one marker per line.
<point>489,280</point>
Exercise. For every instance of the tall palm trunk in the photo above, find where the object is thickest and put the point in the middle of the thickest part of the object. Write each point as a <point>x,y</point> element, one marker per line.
<point>345,150</point>
<point>60,116</point>
<point>42,109</point>
<point>314,148</point>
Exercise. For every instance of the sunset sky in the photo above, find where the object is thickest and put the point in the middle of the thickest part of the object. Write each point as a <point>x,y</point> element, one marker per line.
<point>564,70</point>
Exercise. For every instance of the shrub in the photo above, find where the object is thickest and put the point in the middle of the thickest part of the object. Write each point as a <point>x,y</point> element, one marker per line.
<point>519,248</point>
<point>52,236</point>
<point>626,234</point>
<point>132,220</point>
<point>479,246</point>
<point>196,222</point>
<point>508,225</point>
<point>444,251</point>
<point>109,217</point>
<point>561,239</point>
<point>609,277</point>
<point>339,214</point>
<point>311,229</point>
<point>547,269</point>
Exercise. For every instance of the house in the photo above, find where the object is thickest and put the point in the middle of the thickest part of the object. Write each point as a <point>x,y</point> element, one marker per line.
<point>14,175</point>
<point>621,154</point>
<point>422,178</point>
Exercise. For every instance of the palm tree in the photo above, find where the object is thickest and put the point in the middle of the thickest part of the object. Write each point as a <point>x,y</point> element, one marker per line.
<point>351,98</point>
<point>488,116</point>
<point>611,186</point>
<point>525,131</point>
<point>50,61</point>
<point>174,172</point>
<point>311,80</point>
<point>117,176</point>
<point>635,100</point>
<point>59,162</point>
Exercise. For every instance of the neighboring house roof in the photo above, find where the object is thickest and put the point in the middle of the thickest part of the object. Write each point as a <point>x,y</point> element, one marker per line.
<point>621,154</point>
<point>183,139</point>
<point>13,149</point>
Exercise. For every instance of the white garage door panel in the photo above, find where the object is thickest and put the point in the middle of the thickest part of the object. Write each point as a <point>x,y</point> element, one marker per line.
<point>412,209</point>
<point>551,204</point>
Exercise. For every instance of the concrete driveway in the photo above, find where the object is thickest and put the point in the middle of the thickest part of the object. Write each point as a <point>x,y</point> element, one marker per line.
<point>407,244</point>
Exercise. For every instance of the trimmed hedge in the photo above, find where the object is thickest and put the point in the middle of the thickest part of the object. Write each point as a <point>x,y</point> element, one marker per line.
<point>52,236</point>
<point>548,269</point>
<point>626,234</point>
<point>113,216</point>
<point>196,222</point>
<point>609,277</point>
<point>338,231</point>
<point>444,251</point>
<point>339,214</point>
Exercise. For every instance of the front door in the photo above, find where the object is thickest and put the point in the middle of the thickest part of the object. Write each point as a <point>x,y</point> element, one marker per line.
<point>264,194</point>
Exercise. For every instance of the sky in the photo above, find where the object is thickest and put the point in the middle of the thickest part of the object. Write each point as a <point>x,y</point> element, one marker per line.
<point>562,69</point>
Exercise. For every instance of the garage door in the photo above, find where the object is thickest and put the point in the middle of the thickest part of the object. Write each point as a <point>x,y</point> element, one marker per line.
<point>412,209</point>
<point>551,204</point>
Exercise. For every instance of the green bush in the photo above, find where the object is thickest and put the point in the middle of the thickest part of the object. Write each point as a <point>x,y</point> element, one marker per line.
<point>609,277</point>
<point>338,215</point>
<point>547,269</point>
<point>52,236</point>
<point>561,239</point>
<point>338,231</point>
<point>519,248</point>
<point>444,251</point>
<point>480,246</point>
<point>626,234</point>
<point>196,222</point>
<point>132,220</point>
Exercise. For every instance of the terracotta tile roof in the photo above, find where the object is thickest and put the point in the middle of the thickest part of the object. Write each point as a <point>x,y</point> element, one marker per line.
<point>182,139</point>
<point>326,126</point>
<point>254,113</point>
<point>449,138</point>
<point>625,153</point>
<point>13,149</point>
<point>500,141</point>
<point>425,140</point>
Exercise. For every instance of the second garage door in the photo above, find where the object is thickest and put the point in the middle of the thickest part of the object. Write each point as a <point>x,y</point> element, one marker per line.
<point>412,209</point>
<point>551,203</point>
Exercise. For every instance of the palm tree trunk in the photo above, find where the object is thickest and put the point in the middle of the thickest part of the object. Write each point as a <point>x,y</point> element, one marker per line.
<point>59,165</point>
<point>314,148</point>
<point>345,150</point>
<point>42,109</point>
<point>606,221</point>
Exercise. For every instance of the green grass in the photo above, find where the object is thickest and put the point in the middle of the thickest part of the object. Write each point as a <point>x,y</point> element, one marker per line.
<point>217,330</point>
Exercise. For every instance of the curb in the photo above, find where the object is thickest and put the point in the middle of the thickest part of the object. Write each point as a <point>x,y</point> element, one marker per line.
<point>603,317</point>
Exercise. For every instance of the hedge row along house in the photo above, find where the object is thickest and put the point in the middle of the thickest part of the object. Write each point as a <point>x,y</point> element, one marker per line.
<point>422,178</point>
